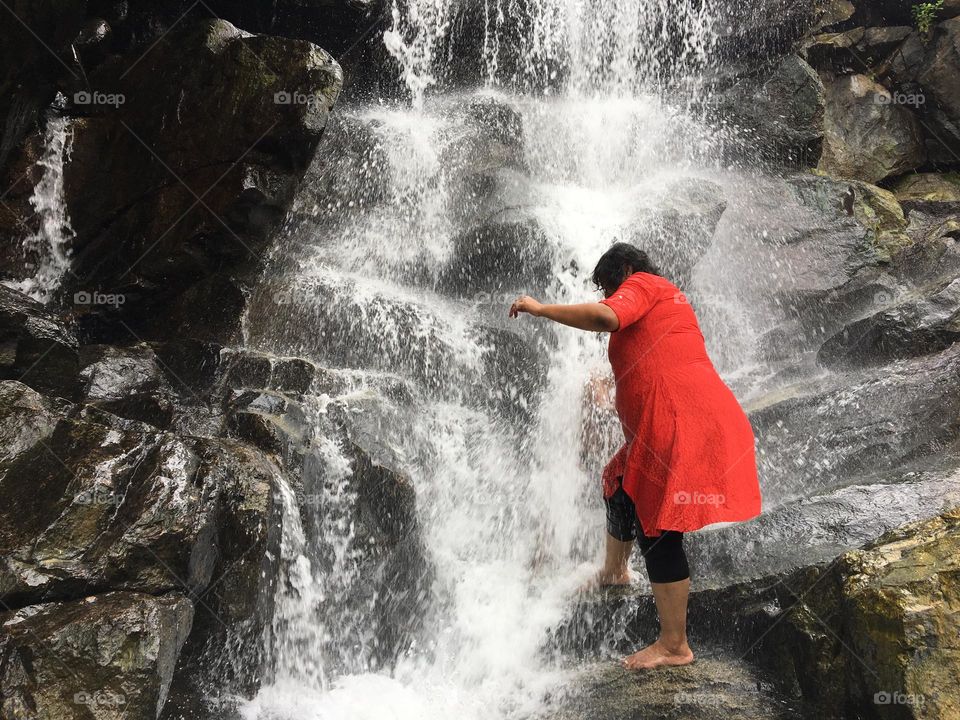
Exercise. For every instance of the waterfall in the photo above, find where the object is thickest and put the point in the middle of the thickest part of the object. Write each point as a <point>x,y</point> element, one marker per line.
<point>408,241</point>
<point>48,249</point>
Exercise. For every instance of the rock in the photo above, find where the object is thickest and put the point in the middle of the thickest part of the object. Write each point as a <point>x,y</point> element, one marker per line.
<point>878,636</point>
<point>246,369</point>
<point>26,418</point>
<point>225,650</point>
<point>91,506</point>
<point>181,207</point>
<point>351,168</point>
<point>336,25</point>
<point>850,51</point>
<point>916,327</point>
<point>509,254</point>
<point>678,229</point>
<point>127,382</point>
<point>872,427</point>
<point>771,29</point>
<point>866,136</point>
<point>712,687</point>
<point>775,115</point>
<point>107,655</point>
<point>871,634</point>
<point>927,69</point>
<point>933,192</point>
<point>35,346</point>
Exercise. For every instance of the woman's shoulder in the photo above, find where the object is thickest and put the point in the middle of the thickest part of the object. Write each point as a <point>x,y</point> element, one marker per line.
<point>650,281</point>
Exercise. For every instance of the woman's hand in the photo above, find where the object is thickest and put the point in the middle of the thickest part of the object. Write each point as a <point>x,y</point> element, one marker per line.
<point>526,304</point>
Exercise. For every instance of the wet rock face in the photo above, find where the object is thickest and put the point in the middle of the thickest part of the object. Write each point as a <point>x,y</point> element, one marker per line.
<point>109,655</point>
<point>198,205</point>
<point>774,115</point>
<point>679,229</point>
<point>878,637</point>
<point>871,635</point>
<point>712,687</point>
<point>866,135</point>
<point>88,506</point>
<point>35,345</point>
<point>914,327</point>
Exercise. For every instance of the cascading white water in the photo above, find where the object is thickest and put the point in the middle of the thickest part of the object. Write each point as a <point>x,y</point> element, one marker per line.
<point>510,521</point>
<point>49,247</point>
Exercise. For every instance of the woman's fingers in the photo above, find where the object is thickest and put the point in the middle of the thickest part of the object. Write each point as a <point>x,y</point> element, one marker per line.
<point>523,304</point>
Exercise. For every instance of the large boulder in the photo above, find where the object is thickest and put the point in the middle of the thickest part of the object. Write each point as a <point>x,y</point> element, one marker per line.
<point>107,655</point>
<point>92,506</point>
<point>875,632</point>
<point>867,135</point>
<point>159,209</point>
<point>859,427</point>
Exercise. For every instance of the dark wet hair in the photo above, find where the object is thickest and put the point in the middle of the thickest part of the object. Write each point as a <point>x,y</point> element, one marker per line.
<point>616,264</point>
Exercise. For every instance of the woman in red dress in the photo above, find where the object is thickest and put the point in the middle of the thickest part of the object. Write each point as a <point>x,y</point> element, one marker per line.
<point>688,456</point>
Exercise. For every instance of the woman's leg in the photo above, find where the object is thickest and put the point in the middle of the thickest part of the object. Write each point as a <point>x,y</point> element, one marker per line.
<point>670,579</point>
<point>621,532</point>
<point>616,568</point>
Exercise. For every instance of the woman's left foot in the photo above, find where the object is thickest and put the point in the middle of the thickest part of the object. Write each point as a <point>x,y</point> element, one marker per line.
<point>658,655</point>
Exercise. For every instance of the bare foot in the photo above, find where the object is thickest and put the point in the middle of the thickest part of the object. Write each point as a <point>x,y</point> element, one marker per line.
<point>606,578</point>
<point>657,655</point>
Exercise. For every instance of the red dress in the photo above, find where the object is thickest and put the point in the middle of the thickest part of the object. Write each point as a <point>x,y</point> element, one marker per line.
<point>688,460</point>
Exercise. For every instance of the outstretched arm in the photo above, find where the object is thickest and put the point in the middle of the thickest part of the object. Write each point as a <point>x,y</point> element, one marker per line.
<point>596,317</point>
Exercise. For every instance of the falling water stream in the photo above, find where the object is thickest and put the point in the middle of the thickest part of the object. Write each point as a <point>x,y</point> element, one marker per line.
<point>585,137</point>
<point>47,248</point>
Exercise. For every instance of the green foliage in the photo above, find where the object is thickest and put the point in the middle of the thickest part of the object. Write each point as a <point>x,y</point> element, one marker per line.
<point>925,15</point>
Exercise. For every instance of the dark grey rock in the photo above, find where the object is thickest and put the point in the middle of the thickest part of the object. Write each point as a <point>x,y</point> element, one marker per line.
<point>35,346</point>
<point>917,326</point>
<point>773,115</point>
<point>510,253</point>
<point>107,655</point>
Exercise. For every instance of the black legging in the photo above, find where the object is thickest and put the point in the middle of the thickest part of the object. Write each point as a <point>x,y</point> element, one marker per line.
<point>664,556</point>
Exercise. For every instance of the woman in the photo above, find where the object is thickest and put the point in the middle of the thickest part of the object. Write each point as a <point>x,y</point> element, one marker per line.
<point>688,457</point>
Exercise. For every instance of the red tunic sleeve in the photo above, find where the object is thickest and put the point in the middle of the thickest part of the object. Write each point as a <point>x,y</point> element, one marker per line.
<point>632,300</point>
